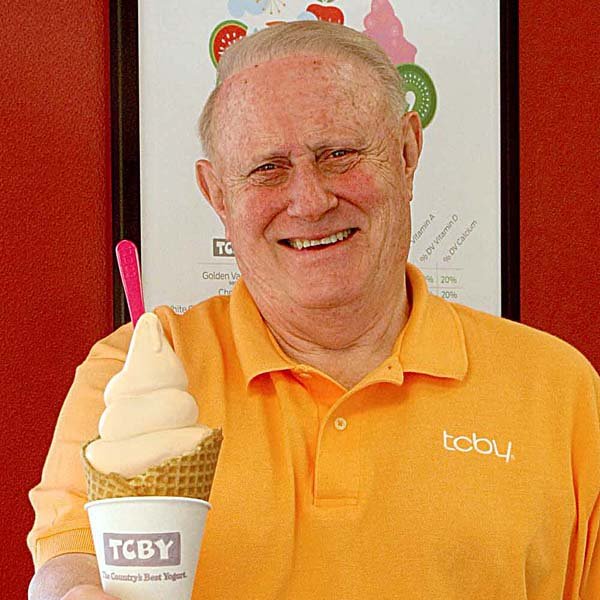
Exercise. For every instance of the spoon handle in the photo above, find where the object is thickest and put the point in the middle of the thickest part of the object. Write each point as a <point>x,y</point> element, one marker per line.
<point>129,267</point>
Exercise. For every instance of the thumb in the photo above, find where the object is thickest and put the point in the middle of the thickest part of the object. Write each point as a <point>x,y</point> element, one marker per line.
<point>87,592</point>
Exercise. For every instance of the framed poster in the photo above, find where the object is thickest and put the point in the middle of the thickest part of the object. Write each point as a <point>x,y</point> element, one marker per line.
<point>459,62</point>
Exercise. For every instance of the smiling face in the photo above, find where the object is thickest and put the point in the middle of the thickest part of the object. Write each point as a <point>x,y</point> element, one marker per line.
<point>312,179</point>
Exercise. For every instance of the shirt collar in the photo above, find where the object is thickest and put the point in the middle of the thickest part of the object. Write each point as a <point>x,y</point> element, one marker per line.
<point>432,341</point>
<point>257,350</point>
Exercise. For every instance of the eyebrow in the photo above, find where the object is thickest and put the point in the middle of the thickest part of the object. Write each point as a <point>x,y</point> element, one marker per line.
<point>343,141</point>
<point>269,155</point>
<point>357,143</point>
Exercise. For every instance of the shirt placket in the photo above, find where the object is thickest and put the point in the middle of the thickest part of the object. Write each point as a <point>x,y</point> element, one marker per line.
<point>337,466</point>
<point>337,461</point>
<point>337,455</point>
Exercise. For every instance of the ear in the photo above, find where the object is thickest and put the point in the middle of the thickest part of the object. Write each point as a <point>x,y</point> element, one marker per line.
<point>210,186</point>
<point>412,136</point>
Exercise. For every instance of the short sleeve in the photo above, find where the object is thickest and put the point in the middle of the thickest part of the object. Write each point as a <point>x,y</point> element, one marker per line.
<point>589,487</point>
<point>590,588</point>
<point>61,523</point>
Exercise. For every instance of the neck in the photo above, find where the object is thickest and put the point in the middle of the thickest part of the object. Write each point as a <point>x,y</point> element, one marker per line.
<point>345,342</point>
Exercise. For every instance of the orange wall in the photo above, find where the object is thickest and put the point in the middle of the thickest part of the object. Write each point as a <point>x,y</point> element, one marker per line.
<point>56,242</point>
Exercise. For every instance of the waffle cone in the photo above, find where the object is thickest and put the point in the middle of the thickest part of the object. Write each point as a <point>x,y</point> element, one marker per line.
<point>190,475</point>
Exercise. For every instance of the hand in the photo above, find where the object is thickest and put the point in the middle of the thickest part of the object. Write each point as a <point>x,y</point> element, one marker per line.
<point>72,576</point>
<point>87,592</point>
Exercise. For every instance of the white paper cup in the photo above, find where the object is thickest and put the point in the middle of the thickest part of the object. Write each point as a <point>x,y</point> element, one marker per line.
<point>147,547</point>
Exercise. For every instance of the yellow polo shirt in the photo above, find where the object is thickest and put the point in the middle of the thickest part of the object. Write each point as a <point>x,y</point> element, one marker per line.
<point>466,466</point>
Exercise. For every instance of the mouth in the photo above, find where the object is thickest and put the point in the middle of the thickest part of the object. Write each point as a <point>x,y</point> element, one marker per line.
<point>319,243</point>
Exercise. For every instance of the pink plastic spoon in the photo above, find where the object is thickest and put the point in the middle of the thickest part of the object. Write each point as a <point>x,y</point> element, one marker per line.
<point>129,267</point>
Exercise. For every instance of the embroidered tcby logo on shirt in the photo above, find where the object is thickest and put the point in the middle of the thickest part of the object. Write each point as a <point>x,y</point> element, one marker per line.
<point>481,445</point>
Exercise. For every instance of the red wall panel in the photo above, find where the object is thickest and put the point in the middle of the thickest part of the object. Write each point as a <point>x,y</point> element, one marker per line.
<point>55,284</point>
<point>560,150</point>
<point>56,287</point>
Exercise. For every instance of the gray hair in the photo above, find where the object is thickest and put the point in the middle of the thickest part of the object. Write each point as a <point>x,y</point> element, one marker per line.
<point>302,37</point>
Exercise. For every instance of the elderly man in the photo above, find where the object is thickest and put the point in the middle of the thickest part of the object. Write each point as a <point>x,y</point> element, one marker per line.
<point>380,442</point>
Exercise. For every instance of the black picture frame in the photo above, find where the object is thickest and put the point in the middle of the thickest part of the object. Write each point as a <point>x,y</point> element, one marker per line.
<point>125,139</point>
<point>126,147</point>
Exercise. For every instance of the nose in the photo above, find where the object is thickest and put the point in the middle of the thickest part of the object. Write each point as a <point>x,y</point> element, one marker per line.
<point>309,197</point>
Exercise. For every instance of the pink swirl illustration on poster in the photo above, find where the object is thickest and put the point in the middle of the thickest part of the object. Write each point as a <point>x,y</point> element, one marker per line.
<point>383,26</point>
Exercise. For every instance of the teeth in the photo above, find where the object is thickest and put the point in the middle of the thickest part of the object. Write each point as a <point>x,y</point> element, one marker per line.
<point>332,239</point>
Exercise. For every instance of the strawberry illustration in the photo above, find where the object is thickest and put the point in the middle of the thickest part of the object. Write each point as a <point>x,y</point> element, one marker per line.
<point>326,13</point>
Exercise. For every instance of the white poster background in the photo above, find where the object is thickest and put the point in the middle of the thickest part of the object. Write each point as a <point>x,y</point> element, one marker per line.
<point>456,205</point>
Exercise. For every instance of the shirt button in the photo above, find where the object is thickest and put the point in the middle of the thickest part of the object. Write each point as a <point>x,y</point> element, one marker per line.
<point>302,371</point>
<point>340,423</point>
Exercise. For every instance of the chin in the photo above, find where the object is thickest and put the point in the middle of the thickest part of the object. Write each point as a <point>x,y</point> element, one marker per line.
<point>324,294</point>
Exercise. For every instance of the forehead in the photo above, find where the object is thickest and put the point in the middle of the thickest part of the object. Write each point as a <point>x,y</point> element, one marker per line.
<point>271,97</point>
<point>276,74</point>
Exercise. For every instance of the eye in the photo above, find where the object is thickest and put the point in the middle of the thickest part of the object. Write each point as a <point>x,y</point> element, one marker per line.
<point>264,168</point>
<point>340,153</point>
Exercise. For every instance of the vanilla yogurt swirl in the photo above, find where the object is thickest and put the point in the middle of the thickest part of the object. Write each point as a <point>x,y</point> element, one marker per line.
<point>149,415</point>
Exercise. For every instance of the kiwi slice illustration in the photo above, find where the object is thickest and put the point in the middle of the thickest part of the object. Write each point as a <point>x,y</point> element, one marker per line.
<point>417,81</point>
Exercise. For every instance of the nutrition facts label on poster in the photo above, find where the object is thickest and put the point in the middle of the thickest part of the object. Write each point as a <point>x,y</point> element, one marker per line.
<point>445,282</point>
<point>455,236</point>
<point>445,247</point>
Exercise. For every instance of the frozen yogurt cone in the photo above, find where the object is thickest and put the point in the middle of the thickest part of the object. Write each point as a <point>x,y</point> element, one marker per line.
<point>148,529</point>
<point>190,475</point>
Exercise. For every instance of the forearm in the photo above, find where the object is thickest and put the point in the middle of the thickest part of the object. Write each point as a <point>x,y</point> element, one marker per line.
<point>56,577</point>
